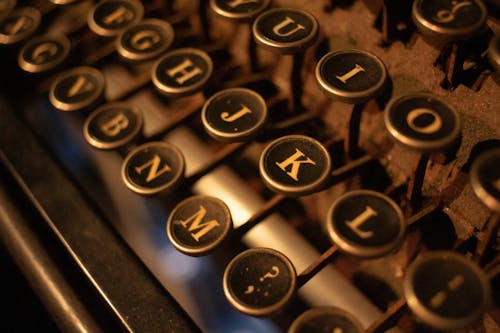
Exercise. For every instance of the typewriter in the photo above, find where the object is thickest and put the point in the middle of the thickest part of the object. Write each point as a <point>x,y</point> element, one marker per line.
<point>250,165</point>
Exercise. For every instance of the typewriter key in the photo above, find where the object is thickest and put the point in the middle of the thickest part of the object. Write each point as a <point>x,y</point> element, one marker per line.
<point>295,165</point>
<point>199,224</point>
<point>366,223</point>
<point>112,125</point>
<point>259,281</point>
<point>325,319</point>
<point>351,76</point>
<point>284,30</point>
<point>6,7</point>
<point>422,121</point>
<point>446,290</point>
<point>76,89</point>
<point>109,17</point>
<point>182,72</point>
<point>485,178</point>
<point>234,114</point>
<point>19,24</point>
<point>450,20</point>
<point>425,123</point>
<point>494,52</point>
<point>43,53</point>
<point>145,40</point>
<point>288,31</point>
<point>239,11</point>
<point>153,167</point>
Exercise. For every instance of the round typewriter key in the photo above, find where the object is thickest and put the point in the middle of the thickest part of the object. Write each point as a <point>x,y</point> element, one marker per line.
<point>43,53</point>
<point>19,24</point>
<point>112,125</point>
<point>234,114</point>
<point>145,40</point>
<point>109,17</point>
<point>450,19</point>
<point>153,167</point>
<point>295,165</point>
<point>6,7</point>
<point>259,281</point>
<point>285,30</point>
<point>76,88</point>
<point>485,178</point>
<point>446,290</point>
<point>351,76</point>
<point>182,72</point>
<point>325,319</point>
<point>239,11</point>
<point>366,223</point>
<point>494,52</point>
<point>199,224</point>
<point>422,121</point>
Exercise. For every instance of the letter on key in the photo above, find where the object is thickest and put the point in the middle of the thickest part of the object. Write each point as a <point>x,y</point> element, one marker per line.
<point>115,125</point>
<point>359,220</point>
<point>294,161</point>
<point>194,223</point>
<point>432,127</point>
<point>184,71</point>
<point>153,165</point>
<point>235,116</point>
<point>357,68</point>
<point>287,27</point>
<point>145,39</point>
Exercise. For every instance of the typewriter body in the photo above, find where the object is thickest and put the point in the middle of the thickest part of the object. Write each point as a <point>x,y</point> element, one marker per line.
<point>107,244</point>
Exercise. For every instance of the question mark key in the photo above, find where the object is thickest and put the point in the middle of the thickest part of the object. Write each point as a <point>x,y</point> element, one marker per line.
<point>259,281</point>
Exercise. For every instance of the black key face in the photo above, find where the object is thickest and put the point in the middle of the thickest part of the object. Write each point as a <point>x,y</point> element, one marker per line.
<point>109,17</point>
<point>182,72</point>
<point>285,30</point>
<point>145,40</point>
<point>494,53</point>
<point>422,121</point>
<point>112,125</point>
<point>259,281</point>
<point>153,167</point>
<point>76,89</point>
<point>485,178</point>
<point>366,223</point>
<point>295,165</point>
<point>352,76</point>
<point>199,224</point>
<point>43,53</point>
<point>450,19</point>
<point>239,10</point>
<point>234,114</point>
<point>325,320</point>
<point>6,6</point>
<point>446,290</point>
<point>19,24</point>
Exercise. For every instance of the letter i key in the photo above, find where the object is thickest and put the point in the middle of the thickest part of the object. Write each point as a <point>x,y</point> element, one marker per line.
<point>354,77</point>
<point>287,31</point>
